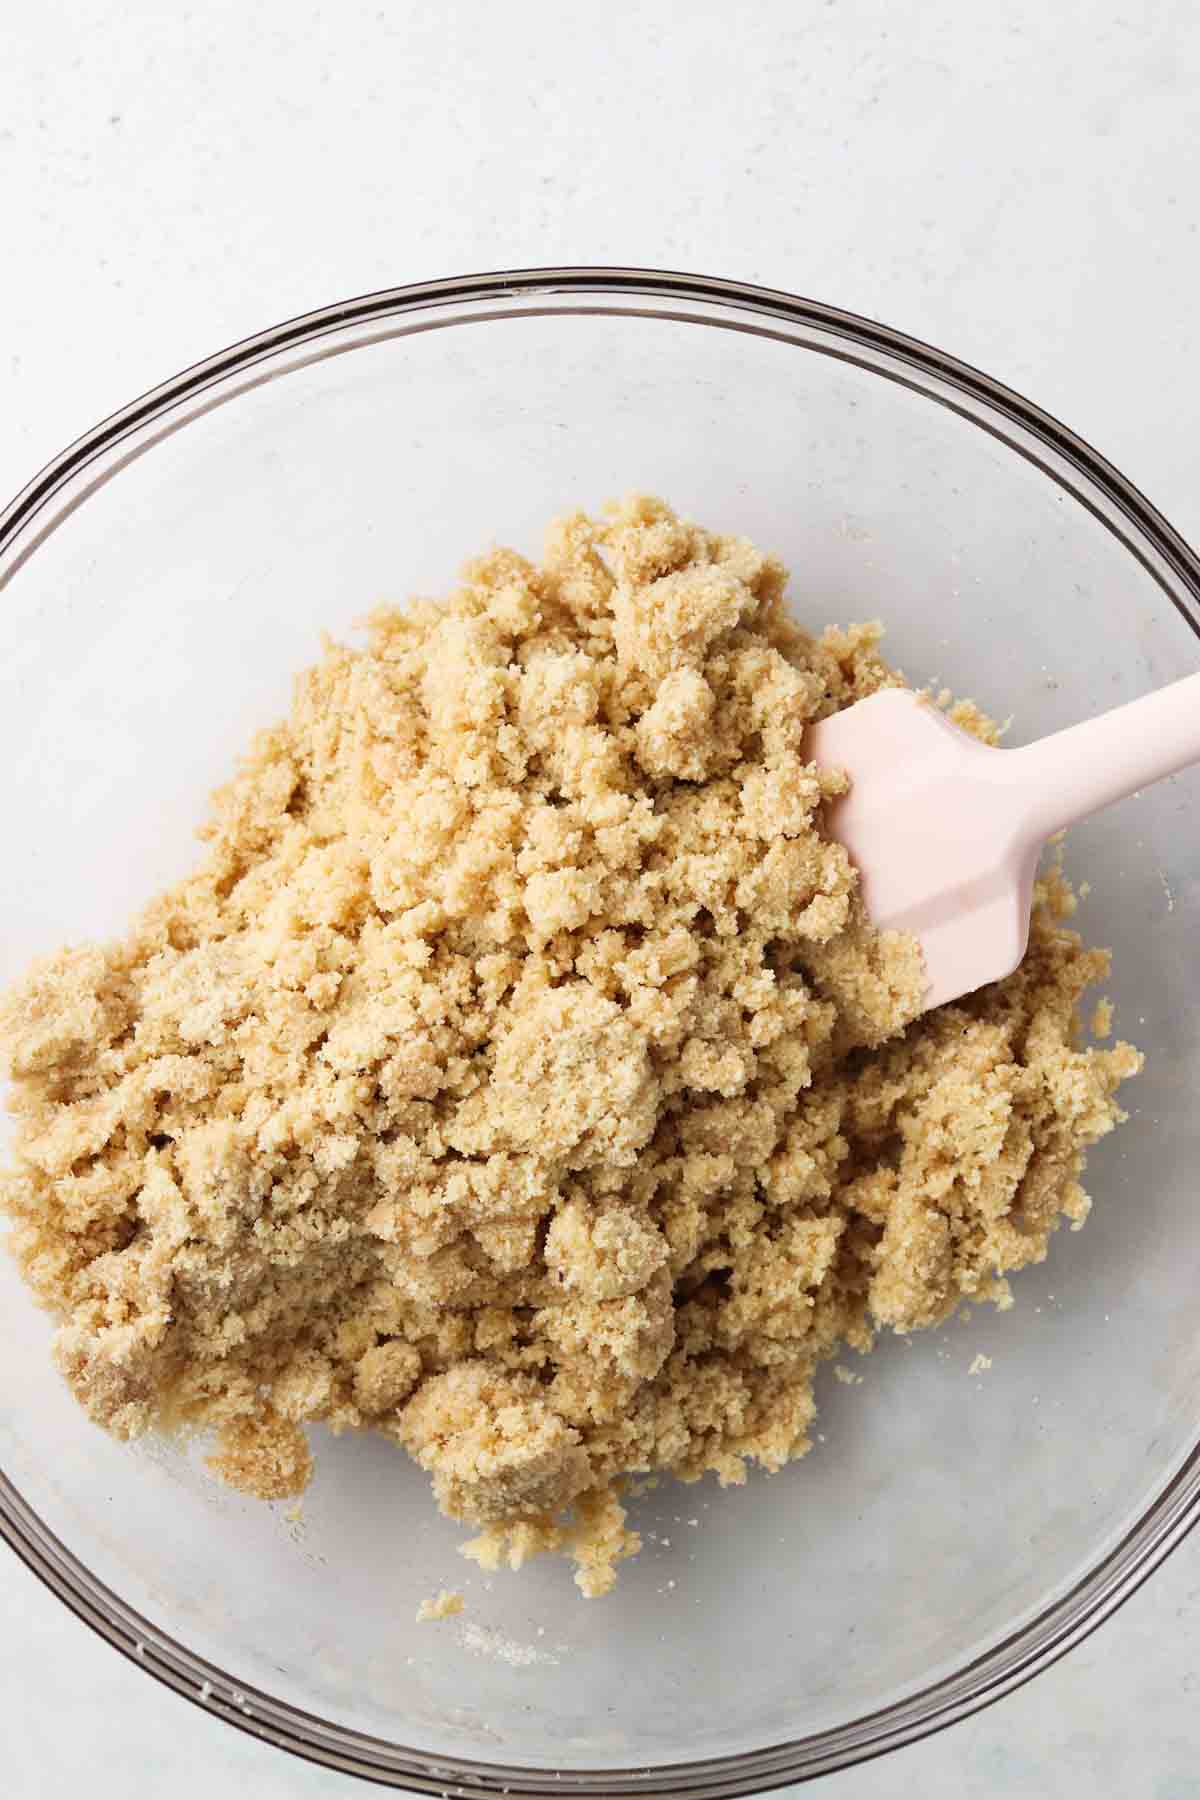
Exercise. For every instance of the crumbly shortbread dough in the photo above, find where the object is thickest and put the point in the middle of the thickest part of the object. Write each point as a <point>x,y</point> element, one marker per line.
<point>518,1077</point>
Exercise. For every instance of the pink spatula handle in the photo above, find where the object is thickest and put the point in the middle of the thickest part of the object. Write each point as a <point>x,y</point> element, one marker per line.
<point>1065,777</point>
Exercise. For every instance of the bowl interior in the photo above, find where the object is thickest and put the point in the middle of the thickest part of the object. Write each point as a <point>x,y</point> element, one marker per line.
<point>163,621</point>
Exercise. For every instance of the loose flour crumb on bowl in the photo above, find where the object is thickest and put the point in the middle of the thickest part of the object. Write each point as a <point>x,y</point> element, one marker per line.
<point>1102,1019</point>
<point>443,1606</point>
<point>485,1640</point>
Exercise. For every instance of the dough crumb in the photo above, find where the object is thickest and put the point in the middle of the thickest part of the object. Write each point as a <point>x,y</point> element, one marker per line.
<point>443,1606</point>
<point>518,1076</point>
<point>594,1537</point>
<point>980,1364</point>
<point>846,1376</point>
<point>266,1457</point>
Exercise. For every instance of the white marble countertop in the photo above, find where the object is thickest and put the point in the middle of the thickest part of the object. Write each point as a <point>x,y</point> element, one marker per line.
<point>1018,183</point>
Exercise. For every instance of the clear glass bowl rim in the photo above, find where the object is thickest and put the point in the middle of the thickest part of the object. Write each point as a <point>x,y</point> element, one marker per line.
<point>100,453</point>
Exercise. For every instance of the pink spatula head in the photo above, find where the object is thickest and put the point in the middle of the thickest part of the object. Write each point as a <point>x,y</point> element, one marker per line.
<point>946,832</point>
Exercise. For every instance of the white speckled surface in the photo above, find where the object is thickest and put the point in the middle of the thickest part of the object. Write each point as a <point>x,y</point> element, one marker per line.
<point>1019,183</point>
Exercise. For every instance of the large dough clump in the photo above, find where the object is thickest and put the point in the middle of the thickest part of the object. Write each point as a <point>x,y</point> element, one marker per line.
<point>518,1076</point>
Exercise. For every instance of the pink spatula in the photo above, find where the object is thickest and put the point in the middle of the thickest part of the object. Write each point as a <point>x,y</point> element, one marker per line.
<point>946,832</point>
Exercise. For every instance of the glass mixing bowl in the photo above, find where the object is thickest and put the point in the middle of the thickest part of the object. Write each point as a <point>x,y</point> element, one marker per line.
<point>950,1534</point>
